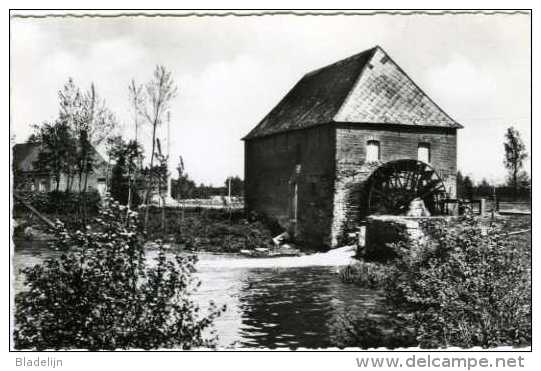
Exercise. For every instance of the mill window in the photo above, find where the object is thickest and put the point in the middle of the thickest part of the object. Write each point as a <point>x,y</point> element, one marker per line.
<point>423,152</point>
<point>372,151</point>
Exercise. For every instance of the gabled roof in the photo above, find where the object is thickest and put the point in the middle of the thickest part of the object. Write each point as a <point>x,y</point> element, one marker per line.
<point>368,88</point>
<point>25,154</point>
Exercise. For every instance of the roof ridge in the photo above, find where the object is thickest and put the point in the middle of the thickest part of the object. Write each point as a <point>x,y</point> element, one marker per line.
<point>341,61</point>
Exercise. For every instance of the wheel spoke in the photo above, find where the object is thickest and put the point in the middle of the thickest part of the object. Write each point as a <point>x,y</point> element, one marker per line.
<point>394,185</point>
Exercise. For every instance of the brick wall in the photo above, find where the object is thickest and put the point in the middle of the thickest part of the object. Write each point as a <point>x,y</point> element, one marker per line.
<point>271,170</point>
<point>396,142</point>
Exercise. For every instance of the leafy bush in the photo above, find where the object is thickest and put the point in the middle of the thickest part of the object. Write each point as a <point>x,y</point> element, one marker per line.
<point>66,203</point>
<point>210,230</point>
<point>103,294</point>
<point>377,330</point>
<point>365,274</point>
<point>466,285</point>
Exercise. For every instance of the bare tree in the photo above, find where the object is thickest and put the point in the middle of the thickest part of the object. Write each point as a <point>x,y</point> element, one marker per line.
<point>159,92</point>
<point>136,100</point>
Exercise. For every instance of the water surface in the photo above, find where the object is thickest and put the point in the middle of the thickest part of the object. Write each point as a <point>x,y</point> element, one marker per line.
<point>292,302</point>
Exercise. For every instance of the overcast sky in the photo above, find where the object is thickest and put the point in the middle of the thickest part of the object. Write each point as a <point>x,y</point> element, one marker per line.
<point>231,71</point>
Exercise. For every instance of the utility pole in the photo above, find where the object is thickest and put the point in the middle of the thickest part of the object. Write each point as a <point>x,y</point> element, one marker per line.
<point>168,153</point>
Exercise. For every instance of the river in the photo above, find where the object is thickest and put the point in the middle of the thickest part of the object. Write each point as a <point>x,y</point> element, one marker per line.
<point>287,302</point>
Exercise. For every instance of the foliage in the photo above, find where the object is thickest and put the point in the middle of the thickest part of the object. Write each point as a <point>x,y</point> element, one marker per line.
<point>60,202</point>
<point>182,187</point>
<point>385,329</point>
<point>237,185</point>
<point>515,154</point>
<point>58,147</point>
<point>464,187</point>
<point>466,285</point>
<point>369,275</point>
<point>103,294</point>
<point>124,172</point>
<point>156,176</point>
<point>211,230</point>
<point>484,189</point>
<point>90,122</point>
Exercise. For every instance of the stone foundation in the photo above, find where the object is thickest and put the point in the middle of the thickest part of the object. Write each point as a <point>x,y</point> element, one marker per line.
<point>383,230</point>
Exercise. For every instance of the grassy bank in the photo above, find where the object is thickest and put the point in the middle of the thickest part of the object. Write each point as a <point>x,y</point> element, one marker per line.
<point>190,229</point>
<point>216,230</point>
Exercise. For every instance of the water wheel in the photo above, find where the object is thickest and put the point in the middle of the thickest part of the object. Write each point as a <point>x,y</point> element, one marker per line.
<point>393,186</point>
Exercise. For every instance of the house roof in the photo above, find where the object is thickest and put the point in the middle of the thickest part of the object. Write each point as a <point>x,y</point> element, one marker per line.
<point>368,88</point>
<point>25,154</point>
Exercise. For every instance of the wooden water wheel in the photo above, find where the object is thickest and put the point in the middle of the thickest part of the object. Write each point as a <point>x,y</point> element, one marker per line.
<point>393,186</point>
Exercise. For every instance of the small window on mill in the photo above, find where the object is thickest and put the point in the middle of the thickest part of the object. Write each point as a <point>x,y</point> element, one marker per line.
<point>423,152</point>
<point>372,151</point>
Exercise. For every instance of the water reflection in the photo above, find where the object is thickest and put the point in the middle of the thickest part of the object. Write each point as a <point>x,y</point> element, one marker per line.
<point>300,303</point>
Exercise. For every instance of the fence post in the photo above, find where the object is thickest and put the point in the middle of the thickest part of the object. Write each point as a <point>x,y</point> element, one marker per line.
<point>482,206</point>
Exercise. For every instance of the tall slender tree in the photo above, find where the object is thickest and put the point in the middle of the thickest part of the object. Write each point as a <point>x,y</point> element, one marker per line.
<point>515,154</point>
<point>158,94</point>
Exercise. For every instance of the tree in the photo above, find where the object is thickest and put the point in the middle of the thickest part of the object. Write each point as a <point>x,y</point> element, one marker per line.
<point>125,156</point>
<point>464,186</point>
<point>101,294</point>
<point>515,154</point>
<point>183,186</point>
<point>156,177</point>
<point>484,189</point>
<point>236,184</point>
<point>90,121</point>
<point>57,148</point>
<point>524,181</point>
<point>136,100</point>
<point>159,92</point>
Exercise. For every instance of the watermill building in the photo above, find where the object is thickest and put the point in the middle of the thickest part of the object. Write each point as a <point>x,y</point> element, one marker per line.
<point>354,138</point>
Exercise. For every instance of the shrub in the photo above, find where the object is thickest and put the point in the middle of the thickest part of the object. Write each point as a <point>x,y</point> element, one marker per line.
<point>103,294</point>
<point>364,274</point>
<point>210,230</point>
<point>466,285</point>
<point>65,203</point>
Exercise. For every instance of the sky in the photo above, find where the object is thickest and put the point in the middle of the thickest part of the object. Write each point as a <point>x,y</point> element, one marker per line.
<point>231,71</point>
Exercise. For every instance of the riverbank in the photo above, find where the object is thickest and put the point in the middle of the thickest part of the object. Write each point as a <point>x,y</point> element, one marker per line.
<point>189,229</point>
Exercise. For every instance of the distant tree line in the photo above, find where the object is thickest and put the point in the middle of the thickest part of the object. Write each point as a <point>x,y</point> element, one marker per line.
<point>518,183</point>
<point>185,188</point>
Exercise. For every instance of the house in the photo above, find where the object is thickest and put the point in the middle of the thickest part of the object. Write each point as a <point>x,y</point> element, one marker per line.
<point>28,178</point>
<point>354,138</point>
